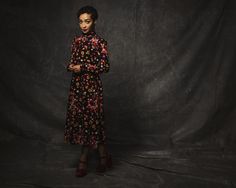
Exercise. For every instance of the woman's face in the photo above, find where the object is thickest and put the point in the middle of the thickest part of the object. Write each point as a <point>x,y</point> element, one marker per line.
<point>86,23</point>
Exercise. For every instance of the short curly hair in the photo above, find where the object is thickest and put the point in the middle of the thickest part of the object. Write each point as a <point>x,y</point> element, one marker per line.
<point>89,10</point>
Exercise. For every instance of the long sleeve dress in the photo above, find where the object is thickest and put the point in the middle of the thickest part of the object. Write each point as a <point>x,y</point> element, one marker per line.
<point>85,113</point>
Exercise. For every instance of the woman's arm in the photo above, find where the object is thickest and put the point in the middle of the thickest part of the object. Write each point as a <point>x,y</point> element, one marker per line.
<point>103,64</point>
<point>73,56</point>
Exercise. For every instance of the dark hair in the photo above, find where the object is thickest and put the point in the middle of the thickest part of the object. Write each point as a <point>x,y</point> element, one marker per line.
<point>89,10</point>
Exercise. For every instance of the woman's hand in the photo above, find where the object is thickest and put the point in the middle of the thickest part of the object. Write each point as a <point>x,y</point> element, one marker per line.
<point>71,67</point>
<point>75,68</point>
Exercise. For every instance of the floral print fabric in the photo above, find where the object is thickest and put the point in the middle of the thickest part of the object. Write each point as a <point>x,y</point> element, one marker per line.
<point>85,114</point>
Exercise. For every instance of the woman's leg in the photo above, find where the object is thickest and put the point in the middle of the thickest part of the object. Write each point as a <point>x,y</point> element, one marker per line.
<point>102,153</point>
<point>105,159</point>
<point>83,157</point>
<point>81,170</point>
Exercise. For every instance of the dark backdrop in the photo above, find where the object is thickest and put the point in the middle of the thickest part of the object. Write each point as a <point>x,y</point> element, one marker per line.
<point>169,96</point>
<point>172,76</point>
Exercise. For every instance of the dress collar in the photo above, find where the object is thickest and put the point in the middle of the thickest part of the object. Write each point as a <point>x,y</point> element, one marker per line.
<point>89,34</point>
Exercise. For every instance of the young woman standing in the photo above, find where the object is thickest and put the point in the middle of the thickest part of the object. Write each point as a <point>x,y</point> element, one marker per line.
<point>85,114</point>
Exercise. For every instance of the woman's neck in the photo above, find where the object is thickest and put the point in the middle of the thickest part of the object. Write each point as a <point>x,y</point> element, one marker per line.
<point>92,32</point>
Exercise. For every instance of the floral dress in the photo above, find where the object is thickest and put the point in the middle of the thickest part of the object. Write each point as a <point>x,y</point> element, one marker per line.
<point>85,113</point>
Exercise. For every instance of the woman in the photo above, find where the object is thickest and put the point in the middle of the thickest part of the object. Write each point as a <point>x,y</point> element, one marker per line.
<point>85,114</point>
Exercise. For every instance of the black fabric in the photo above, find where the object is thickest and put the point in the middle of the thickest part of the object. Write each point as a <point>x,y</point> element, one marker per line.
<point>171,81</point>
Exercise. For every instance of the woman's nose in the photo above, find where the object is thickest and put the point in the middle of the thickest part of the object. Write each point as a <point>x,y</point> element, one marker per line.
<point>82,25</point>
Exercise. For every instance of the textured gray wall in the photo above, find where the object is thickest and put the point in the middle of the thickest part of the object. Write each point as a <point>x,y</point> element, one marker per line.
<point>171,75</point>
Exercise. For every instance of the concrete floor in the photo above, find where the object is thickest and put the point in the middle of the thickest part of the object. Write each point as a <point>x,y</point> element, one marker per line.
<point>27,163</point>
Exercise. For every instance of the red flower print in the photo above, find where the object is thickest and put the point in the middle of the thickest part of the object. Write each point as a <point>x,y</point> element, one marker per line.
<point>94,42</point>
<point>104,51</point>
